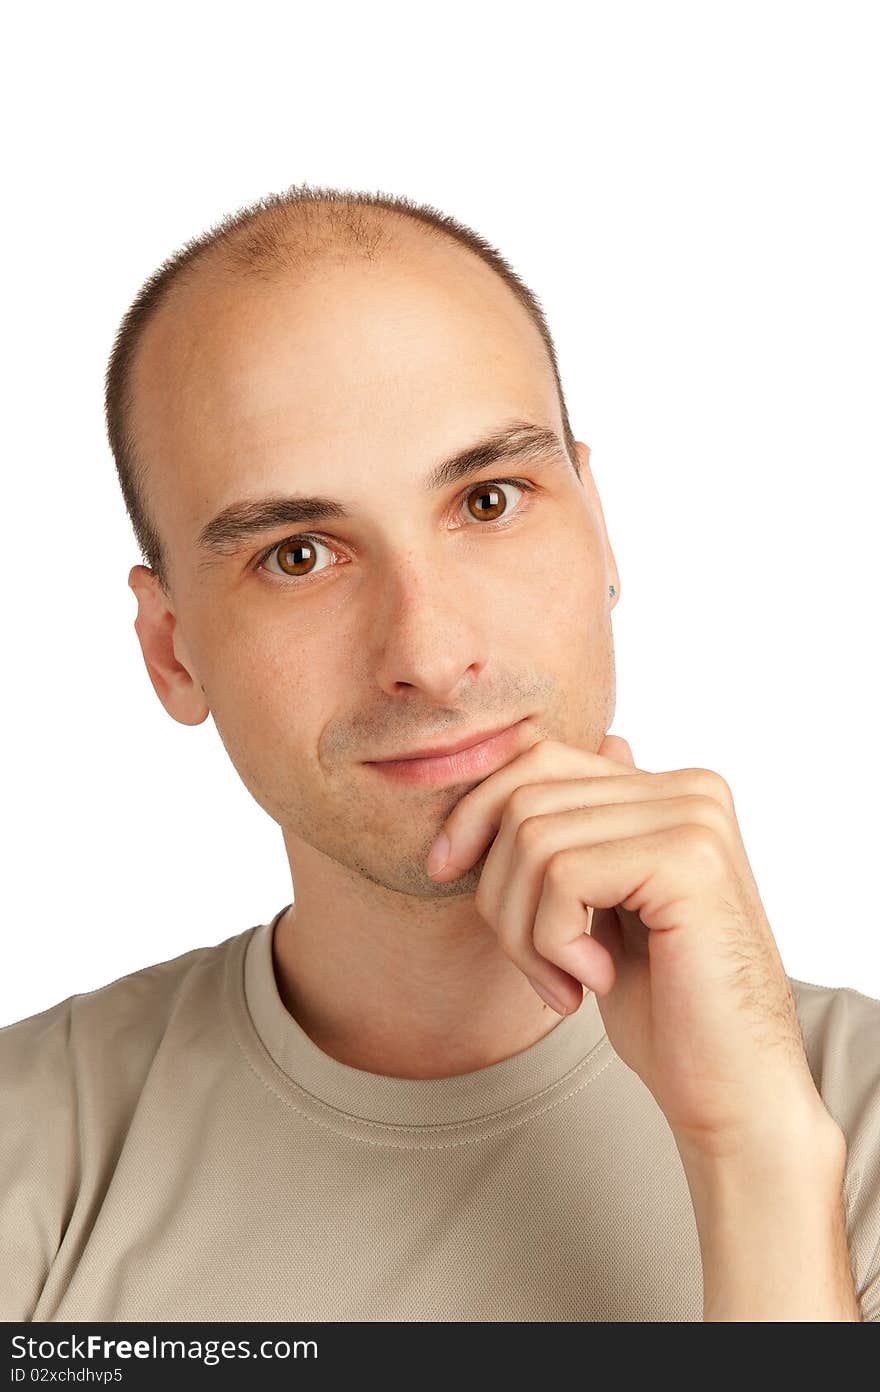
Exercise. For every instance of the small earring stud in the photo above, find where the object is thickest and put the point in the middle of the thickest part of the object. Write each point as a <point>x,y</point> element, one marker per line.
<point>611,589</point>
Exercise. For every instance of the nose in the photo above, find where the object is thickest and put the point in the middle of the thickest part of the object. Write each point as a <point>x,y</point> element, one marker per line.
<point>429,632</point>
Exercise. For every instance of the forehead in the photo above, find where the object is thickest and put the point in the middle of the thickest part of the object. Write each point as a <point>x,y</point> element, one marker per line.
<point>355,370</point>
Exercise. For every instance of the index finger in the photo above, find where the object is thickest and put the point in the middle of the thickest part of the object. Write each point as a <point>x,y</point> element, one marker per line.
<point>474,821</point>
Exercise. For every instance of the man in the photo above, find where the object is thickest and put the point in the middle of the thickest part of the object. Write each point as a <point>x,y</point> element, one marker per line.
<point>370,534</point>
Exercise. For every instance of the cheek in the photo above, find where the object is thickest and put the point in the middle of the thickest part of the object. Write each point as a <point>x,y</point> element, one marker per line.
<point>289,683</point>
<point>561,585</point>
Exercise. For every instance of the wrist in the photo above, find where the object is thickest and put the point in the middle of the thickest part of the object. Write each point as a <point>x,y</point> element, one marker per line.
<point>772,1230</point>
<point>783,1169</point>
<point>803,1136</point>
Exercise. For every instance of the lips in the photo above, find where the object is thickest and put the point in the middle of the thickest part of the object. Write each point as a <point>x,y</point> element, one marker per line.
<point>438,750</point>
<point>463,765</point>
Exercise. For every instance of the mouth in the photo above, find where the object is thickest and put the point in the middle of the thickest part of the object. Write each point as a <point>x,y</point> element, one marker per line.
<point>472,762</point>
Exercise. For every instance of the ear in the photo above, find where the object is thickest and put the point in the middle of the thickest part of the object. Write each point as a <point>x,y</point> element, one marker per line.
<point>169,666</point>
<point>589,486</point>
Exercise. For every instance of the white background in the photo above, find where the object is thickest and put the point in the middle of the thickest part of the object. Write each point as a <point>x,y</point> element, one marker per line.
<point>689,188</point>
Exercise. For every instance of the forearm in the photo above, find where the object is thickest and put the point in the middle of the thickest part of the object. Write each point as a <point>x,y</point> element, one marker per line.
<point>772,1232</point>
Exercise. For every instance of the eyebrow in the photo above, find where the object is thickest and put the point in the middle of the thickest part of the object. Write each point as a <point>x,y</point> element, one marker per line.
<point>246,519</point>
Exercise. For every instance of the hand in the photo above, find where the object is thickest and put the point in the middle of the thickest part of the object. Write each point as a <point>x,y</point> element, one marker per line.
<point>637,886</point>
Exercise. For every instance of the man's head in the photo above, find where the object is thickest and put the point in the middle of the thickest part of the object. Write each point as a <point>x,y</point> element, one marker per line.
<point>346,358</point>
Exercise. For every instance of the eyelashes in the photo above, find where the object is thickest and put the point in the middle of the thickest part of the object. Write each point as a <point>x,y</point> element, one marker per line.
<point>298,582</point>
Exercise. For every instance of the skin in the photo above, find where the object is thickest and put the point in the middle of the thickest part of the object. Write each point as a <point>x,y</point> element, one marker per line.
<point>353,380</point>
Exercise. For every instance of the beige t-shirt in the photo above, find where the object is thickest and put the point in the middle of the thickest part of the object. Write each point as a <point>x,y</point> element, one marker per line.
<point>173,1146</point>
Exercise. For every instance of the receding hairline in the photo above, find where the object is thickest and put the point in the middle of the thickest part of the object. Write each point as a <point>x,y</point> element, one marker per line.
<point>287,232</point>
<point>264,257</point>
<point>294,243</point>
<point>261,258</point>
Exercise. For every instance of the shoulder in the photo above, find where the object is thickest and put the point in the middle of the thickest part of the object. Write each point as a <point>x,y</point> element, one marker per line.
<point>70,1078</point>
<point>89,1052</point>
<point>137,1005</point>
<point>841,1033</point>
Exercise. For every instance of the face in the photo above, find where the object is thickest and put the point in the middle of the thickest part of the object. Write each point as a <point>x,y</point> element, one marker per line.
<point>417,618</point>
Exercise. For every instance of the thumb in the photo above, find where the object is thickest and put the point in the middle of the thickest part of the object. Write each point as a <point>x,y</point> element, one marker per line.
<point>615,747</point>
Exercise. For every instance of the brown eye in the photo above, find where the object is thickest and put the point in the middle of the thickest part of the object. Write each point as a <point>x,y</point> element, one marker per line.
<point>297,557</point>
<point>487,501</point>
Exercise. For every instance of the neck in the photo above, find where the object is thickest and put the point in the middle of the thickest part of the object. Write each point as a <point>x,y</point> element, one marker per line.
<point>398,985</point>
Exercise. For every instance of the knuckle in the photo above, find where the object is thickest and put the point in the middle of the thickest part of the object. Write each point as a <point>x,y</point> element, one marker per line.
<point>703,843</point>
<point>710,784</point>
<point>558,869</point>
<point>546,939</point>
<point>707,811</point>
<point>529,834</point>
<point>543,939</point>
<point>518,803</point>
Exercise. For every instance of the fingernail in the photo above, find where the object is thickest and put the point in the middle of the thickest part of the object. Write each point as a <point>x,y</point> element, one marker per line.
<point>546,996</point>
<point>439,854</point>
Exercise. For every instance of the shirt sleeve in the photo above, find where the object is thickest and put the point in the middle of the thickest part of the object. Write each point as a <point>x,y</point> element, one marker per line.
<point>869,1290</point>
<point>39,1166</point>
<point>841,1031</point>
